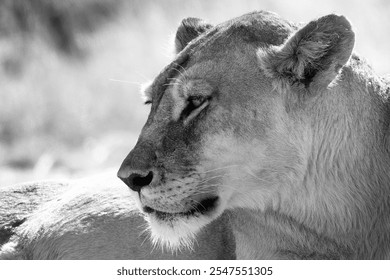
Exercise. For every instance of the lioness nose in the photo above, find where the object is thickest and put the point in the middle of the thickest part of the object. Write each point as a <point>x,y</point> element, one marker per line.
<point>136,169</point>
<point>134,180</point>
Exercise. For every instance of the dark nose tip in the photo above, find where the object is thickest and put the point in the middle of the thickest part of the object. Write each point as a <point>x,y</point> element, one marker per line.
<point>136,181</point>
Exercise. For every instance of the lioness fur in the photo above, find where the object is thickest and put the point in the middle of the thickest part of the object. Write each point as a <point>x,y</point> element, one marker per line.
<point>280,128</point>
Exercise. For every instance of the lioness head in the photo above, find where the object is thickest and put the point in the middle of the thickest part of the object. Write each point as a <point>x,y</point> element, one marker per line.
<point>229,124</point>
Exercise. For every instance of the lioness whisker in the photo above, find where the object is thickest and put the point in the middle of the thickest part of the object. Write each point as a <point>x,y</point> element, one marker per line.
<point>221,168</point>
<point>206,190</point>
<point>195,206</point>
<point>185,71</point>
<point>175,79</point>
<point>256,177</point>
<point>124,81</point>
<point>155,243</point>
<point>144,227</point>
<point>147,236</point>
<point>210,178</point>
<point>171,84</point>
<point>269,169</point>
<point>182,75</point>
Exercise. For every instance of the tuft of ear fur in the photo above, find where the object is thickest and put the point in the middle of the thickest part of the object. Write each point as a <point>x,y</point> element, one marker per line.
<point>189,29</point>
<point>313,55</point>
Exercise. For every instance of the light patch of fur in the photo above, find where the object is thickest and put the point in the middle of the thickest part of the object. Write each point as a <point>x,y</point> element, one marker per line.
<point>179,100</point>
<point>238,168</point>
<point>176,234</point>
<point>145,90</point>
<point>9,251</point>
<point>179,233</point>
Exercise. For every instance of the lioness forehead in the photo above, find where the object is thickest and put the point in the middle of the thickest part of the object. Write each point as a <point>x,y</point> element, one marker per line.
<point>257,28</point>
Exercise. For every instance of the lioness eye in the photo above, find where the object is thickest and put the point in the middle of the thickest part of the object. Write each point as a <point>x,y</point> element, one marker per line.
<point>195,104</point>
<point>196,101</point>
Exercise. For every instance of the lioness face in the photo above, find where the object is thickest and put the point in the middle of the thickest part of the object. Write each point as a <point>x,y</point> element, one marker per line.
<point>219,135</point>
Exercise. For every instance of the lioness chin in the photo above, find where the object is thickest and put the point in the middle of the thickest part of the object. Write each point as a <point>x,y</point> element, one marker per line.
<point>282,125</point>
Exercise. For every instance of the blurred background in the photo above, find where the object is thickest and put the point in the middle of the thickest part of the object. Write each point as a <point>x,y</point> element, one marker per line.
<point>70,72</point>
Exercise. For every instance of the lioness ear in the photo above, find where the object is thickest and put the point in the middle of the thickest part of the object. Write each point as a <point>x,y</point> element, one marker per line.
<point>314,54</point>
<point>189,29</point>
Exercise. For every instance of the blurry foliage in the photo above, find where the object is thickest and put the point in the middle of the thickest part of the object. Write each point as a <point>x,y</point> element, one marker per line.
<point>57,21</point>
<point>61,104</point>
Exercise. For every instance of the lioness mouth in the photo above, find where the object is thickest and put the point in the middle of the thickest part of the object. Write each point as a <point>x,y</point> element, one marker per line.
<point>201,207</point>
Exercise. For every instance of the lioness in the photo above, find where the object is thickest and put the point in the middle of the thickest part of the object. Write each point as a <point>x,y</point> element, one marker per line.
<point>283,126</point>
<point>280,129</point>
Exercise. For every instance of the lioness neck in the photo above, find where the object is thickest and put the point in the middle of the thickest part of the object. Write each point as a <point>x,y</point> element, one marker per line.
<point>272,235</point>
<point>346,182</point>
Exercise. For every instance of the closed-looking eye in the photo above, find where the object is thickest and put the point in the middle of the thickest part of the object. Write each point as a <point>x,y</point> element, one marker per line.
<point>196,101</point>
<point>195,104</point>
